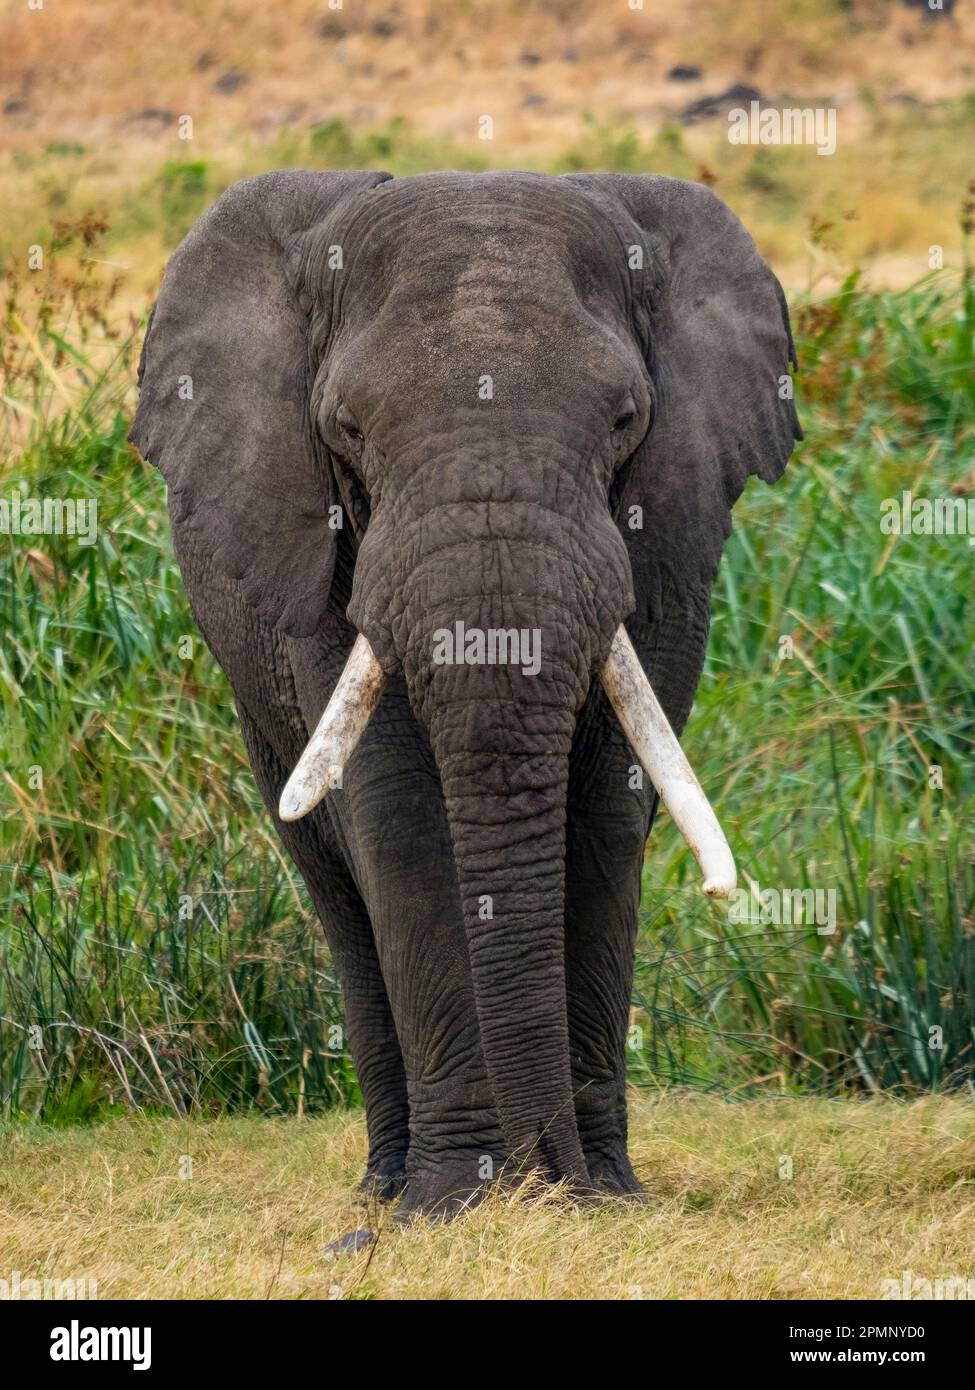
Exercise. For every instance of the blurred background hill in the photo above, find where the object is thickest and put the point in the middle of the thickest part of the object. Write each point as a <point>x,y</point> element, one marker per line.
<point>92,91</point>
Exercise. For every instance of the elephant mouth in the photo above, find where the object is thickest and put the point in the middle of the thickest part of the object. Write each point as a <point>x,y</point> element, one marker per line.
<point>359,690</point>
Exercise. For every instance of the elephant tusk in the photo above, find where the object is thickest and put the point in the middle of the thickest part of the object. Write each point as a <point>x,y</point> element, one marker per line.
<point>655,744</point>
<point>353,703</point>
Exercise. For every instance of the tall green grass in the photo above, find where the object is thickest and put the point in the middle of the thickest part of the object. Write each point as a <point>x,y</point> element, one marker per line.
<point>157,951</point>
<point>824,758</point>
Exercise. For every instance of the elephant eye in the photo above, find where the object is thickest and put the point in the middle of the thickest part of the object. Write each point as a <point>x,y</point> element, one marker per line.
<point>625,416</point>
<point>347,425</point>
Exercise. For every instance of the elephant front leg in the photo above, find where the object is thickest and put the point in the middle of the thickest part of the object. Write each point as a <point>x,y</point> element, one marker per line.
<point>369,1026</point>
<point>600,934</point>
<point>372,1039</point>
<point>456,1151</point>
<point>609,814</point>
<point>390,814</point>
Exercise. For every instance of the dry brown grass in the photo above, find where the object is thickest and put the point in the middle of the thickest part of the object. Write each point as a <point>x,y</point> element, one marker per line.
<point>90,93</point>
<point>90,69</point>
<point>878,1187</point>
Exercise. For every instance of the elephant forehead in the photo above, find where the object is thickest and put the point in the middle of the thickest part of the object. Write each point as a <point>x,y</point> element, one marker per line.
<point>495,288</point>
<point>486,355</point>
<point>508,241</point>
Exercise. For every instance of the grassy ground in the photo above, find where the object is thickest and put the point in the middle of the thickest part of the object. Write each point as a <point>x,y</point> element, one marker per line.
<point>877,1187</point>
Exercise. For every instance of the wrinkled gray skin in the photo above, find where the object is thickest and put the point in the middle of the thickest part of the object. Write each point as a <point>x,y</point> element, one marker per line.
<point>617,384</point>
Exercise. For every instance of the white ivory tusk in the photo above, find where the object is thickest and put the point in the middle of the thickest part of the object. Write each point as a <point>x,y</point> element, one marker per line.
<point>353,703</point>
<point>655,744</point>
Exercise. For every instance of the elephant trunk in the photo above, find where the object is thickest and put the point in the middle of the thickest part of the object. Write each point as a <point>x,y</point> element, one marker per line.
<point>505,775</point>
<point>498,622</point>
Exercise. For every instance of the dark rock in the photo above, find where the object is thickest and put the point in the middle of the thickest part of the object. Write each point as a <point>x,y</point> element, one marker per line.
<point>205,61</point>
<point>684,74</point>
<point>349,1244</point>
<point>153,114</point>
<point>14,107</point>
<point>230,81</point>
<point>530,60</point>
<point>533,99</point>
<point>706,107</point>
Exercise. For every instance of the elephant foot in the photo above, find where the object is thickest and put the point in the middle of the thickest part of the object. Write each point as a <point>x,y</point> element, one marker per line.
<point>384,1181</point>
<point>612,1175</point>
<point>445,1190</point>
<point>441,1192</point>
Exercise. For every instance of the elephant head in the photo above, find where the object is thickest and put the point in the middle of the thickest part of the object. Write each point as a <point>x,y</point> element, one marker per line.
<point>525,406</point>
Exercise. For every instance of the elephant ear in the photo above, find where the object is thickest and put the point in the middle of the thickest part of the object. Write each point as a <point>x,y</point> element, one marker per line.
<point>714,328</point>
<point>224,402</point>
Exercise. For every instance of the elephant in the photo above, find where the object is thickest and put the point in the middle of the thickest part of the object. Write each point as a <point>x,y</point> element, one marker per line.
<point>483,431</point>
